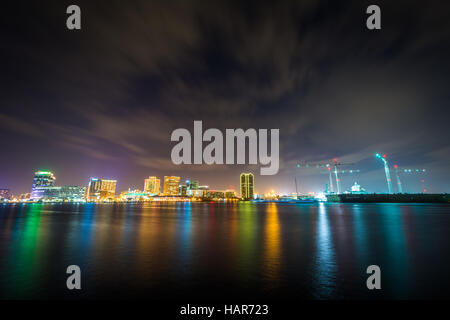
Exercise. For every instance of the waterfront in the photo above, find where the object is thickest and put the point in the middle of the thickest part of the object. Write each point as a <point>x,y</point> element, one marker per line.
<point>186,250</point>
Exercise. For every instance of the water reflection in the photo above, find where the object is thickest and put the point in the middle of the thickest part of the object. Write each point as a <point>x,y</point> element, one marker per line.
<point>325,265</point>
<point>86,232</point>
<point>396,266</point>
<point>27,254</point>
<point>246,239</point>
<point>319,250</point>
<point>184,212</point>
<point>272,245</point>
<point>360,235</point>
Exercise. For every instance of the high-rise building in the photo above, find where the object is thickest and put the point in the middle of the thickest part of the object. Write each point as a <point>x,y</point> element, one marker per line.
<point>41,180</point>
<point>247,183</point>
<point>100,189</point>
<point>171,184</point>
<point>152,185</point>
<point>4,194</point>
<point>182,190</point>
<point>192,184</point>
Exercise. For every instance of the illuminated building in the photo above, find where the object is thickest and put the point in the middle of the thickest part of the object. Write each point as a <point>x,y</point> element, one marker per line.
<point>100,189</point>
<point>5,194</point>
<point>229,194</point>
<point>197,193</point>
<point>134,195</point>
<point>271,195</point>
<point>204,193</point>
<point>193,189</point>
<point>215,194</point>
<point>356,189</point>
<point>72,193</point>
<point>200,192</point>
<point>193,185</point>
<point>41,180</point>
<point>222,194</point>
<point>152,185</point>
<point>64,193</point>
<point>247,183</point>
<point>25,196</point>
<point>171,184</point>
<point>182,190</point>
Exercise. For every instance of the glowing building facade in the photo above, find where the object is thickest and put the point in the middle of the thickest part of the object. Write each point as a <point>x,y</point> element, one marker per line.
<point>152,185</point>
<point>100,189</point>
<point>171,185</point>
<point>41,181</point>
<point>230,194</point>
<point>247,183</point>
<point>182,190</point>
<point>64,193</point>
<point>192,184</point>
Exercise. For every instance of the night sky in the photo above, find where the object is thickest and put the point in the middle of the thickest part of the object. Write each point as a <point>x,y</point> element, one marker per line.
<point>103,101</point>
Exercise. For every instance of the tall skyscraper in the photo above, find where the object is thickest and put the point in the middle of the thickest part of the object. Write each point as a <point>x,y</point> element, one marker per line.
<point>100,189</point>
<point>41,180</point>
<point>247,182</point>
<point>152,185</point>
<point>171,184</point>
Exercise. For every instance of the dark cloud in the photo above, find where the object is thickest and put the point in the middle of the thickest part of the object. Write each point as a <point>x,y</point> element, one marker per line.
<point>104,100</point>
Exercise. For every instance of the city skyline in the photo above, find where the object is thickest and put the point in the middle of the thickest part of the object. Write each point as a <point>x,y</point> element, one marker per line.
<point>199,156</point>
<point>44,187</point>
<point>102,188</point>
<point>104,100</point>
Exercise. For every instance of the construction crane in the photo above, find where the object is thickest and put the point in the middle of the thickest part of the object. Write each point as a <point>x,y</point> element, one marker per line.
<point>386,170</point>
<point>335,164</point>
<point>406,171</point>
<point>331,179</point>
<point>399,183</point>
<point>329,172</point>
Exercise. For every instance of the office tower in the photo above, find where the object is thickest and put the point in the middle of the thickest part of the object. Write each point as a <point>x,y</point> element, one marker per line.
<point>49,193</point>
<point>152,185</point>
<point>72,193</point>
<point>192,185</point>
<point>64,193</point>
<point>182,190</point>
<point>4,194</point>
<point>247,183</point>
<point>171,184</point>
<point>100,189</point>
<point>41,180</point>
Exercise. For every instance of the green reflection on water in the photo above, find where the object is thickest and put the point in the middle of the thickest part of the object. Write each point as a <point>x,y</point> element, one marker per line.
<point>246,237</point>
<point>28,255</point>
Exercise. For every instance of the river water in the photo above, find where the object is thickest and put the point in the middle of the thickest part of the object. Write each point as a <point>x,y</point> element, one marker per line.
<point>222,250</point>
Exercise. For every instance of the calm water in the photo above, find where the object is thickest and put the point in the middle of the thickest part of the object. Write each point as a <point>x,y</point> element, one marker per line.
<point>211,251</point>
